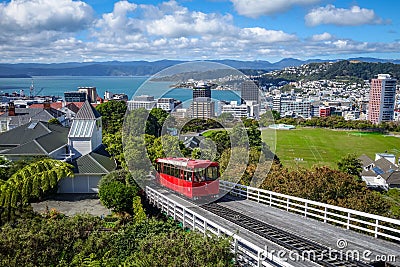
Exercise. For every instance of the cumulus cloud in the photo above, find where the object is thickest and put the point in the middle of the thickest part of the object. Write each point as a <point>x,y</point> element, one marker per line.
<point>189,23</point>
<point>256,8</point>
<point>262,35</point>
<point>341,16</point>
<point>321,37</point>
<point>45,15</point>
<point>145,31</point>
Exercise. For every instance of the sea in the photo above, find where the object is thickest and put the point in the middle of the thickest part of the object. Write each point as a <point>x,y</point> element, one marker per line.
<point>131,86</point>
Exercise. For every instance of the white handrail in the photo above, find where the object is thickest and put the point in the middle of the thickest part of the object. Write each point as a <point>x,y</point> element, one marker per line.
<point>327,213</point>
<point>255,255</point>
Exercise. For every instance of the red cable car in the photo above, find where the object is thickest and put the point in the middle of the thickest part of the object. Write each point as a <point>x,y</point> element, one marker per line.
<point>193,178</point>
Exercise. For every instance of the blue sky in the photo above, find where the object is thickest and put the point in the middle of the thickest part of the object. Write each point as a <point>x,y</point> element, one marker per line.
<point>101,30</point>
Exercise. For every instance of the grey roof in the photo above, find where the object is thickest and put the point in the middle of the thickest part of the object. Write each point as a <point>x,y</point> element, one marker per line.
<point>47,139</point>
<point>385,165</point>
<point>365,160</point>
<point>23,134</point>
<point>368,173</point>
<point>25,115</point>
<point>394,178</point>
<point>87,111</point>
<point>96,162</point>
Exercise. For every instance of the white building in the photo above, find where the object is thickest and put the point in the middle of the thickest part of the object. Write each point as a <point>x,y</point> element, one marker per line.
<point>167,104</point>
<point>85,133</point>
<point>286,105</point>
<point>142,101</point>
<point>248,110</point>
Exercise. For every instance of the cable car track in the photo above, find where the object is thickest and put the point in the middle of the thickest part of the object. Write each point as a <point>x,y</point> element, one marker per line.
<point>286,239</point>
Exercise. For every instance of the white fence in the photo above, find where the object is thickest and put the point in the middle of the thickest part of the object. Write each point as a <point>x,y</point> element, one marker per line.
<point>244,250</point>
<point>379,226</point>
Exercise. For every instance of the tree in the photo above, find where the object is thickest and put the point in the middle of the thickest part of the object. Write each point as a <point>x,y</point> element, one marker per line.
<point>117,196</point>
<point>112,115</point>
<point>226,117</point>
<point>113,143</point>
<point>350,164</point>
<point>54,121</point>
<point>32,181</point>
<point>155,121</point>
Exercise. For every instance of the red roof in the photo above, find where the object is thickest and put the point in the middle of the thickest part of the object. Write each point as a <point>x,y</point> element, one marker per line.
<point>185,162</point>
<point>58,105</point>
<point>55,105</point>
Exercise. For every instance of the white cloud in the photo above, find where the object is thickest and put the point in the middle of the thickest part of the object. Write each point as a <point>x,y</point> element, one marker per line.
<point>342,17</point>
<point>143,31</point>
<point>189,23</point>
<point>261,35</point>
<point>321,37</point>
<point>45,15</point>
<point>256,8</point>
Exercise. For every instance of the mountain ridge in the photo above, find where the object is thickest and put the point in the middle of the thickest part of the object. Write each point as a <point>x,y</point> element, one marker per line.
<point>146,68</point>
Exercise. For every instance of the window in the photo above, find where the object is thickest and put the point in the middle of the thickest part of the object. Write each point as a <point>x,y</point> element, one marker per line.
<point>212,173</point>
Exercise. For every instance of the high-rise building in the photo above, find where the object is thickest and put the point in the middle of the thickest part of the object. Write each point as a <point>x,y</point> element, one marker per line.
<point>250,91</point>
<point>201,89</point>
<point>382,99</point>
<point>287,106</point>
<point>91,93</point>
<point>202,108</point>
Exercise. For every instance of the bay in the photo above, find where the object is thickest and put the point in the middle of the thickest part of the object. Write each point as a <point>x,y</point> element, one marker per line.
<point>57,85</point>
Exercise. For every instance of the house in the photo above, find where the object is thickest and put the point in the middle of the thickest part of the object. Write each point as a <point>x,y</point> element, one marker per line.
<point>81,145</point>
<point>381,173</point>
<point>15,117</point>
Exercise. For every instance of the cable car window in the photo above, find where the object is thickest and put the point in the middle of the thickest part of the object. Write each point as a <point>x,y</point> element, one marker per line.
<point>200,175</point>
<point>188,175</point>
<point>212,173</point>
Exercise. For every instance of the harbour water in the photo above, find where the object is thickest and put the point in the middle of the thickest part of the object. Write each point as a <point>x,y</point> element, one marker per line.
<point>57,85</point>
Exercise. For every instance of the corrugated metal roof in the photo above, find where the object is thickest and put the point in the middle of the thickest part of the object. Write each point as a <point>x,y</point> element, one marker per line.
<point>87,111</point>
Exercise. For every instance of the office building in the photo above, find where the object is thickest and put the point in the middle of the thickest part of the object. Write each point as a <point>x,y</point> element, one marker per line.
<point>202,108</point>
<point>142,101</point>
<point>201,89</point>
<point>91,93</point>
<point>75,96</point>
<point>250,91</point>
<point>289,107</point>
<point>382,99</point>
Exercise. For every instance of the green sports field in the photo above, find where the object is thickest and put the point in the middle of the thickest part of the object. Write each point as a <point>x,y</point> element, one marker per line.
<point>306,147</point>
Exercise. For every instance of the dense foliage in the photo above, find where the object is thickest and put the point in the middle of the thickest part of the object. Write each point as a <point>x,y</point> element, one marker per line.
<point>117,191</point>
<point>329,186</point>
<point>198,125</point>
<point>82,241</point>
<point>112,115</point>
<point>31,182</point>
<point>341,70</point>
<point>338,122</point>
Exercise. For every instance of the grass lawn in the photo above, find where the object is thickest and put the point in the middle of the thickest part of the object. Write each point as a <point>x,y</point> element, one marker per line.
<point>305,147</point>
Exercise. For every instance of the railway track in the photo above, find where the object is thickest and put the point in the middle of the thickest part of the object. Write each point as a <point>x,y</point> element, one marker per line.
<point>321,255</point>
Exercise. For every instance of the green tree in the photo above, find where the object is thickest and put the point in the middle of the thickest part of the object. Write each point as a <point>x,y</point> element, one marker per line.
<point>113,143</point>
<point>225,117</point>
<point>117,196</point>
<point>350,164</point>
<point>112,115</point>
<point>32,182</point>
<point>54,121</point>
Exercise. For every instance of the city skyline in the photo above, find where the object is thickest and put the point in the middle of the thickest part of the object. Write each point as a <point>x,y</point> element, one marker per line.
<point>83,31</point>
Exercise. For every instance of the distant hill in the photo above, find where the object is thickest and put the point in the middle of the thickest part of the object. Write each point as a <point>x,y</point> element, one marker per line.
<point>144,68</point>
<point>345,69</point>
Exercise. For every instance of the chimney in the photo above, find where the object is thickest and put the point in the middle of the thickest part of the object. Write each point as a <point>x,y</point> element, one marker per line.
<point>11,109</point>
<point>46,105</point>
